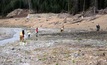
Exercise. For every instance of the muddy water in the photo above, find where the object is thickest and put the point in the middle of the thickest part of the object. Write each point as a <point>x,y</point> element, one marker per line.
<point>14,32</point>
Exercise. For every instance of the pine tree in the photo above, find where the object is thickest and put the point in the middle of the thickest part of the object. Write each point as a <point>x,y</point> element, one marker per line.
<point>55,6</point>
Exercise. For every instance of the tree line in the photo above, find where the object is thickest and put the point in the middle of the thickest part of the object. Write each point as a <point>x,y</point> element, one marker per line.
<point>55,6</point>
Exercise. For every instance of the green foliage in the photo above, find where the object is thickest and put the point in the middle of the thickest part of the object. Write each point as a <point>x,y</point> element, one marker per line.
<point>57,64</point>
<point>55,6</point>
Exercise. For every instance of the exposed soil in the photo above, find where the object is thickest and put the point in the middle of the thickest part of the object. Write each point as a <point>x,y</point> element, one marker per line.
<point>78,44</point>
<point>55,48</point>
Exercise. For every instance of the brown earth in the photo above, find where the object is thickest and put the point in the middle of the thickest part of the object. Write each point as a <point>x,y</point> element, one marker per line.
<point>67,48</point>
<point>56,21</point>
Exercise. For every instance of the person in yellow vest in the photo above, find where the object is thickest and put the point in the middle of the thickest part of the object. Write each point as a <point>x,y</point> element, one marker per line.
<point>21,36</point>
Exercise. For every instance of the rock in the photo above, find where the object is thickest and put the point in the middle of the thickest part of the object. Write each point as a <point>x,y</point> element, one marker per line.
<point>13,48</point>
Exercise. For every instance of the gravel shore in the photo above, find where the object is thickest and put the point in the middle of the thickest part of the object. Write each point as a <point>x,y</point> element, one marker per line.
<point>55,48</point>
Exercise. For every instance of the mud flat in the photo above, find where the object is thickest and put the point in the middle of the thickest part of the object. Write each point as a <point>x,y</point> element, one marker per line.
<point>54,48</point>
<point>9,35</point>
<point>5,33</point>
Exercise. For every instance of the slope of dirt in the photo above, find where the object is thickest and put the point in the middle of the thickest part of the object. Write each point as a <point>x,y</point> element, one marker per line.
<point>56,21</point>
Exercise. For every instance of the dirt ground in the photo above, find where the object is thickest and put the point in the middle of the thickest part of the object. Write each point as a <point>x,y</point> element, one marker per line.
<point>56,49</point>
<point>79,44</point>
<point>52,20</point>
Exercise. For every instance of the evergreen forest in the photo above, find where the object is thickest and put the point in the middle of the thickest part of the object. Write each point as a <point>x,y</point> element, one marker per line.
<point>54,6</point>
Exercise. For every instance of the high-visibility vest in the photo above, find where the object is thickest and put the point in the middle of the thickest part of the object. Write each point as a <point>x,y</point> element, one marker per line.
<point>21,34</point>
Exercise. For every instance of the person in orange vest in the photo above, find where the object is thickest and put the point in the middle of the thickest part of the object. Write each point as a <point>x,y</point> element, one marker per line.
<point>22,35</point>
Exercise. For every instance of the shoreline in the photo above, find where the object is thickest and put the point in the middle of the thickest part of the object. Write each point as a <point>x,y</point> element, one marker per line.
<point>6,33</point>
<point>11,37</point>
